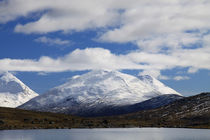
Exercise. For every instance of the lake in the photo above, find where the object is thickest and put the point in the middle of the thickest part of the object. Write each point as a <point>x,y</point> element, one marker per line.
<point>107,134</point>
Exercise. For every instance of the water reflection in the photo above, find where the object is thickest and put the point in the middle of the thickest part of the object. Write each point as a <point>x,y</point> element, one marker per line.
<point>108,134</point>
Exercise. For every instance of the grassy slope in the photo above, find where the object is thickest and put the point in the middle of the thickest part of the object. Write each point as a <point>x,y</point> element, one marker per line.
<point>18,119</point>
<point>11,118</point>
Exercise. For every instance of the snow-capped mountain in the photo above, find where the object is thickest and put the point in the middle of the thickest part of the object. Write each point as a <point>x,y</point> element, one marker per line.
<point>13,92</point>
<point>96,90</point>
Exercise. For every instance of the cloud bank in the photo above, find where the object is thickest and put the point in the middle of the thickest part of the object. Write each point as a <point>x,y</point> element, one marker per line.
<point>99,58</point>
<point>87,59</point>
<point>168,33</point>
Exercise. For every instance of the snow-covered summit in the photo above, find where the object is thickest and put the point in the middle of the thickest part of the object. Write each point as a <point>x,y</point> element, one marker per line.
<point>97,89</point>
<point>13,92</point>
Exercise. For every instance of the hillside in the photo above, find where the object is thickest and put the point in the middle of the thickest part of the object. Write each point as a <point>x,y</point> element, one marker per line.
<point>189,112</point>
<point>152,103</point>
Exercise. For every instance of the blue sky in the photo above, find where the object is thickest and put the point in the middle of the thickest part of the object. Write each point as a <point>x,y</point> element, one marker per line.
<point>45,42</point>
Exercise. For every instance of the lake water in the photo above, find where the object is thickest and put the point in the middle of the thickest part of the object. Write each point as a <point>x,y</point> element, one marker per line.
<point>107,134</point>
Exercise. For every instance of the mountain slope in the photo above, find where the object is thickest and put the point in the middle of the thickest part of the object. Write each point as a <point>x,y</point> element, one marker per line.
<point>152,103</point>
<point>111,110</point>
<point>13,92</point>
<point>156,84</point>
<point>96,90</point>
<point>188,112</point>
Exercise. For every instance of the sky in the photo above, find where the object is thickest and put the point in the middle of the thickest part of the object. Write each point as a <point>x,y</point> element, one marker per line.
<point>45,42</point>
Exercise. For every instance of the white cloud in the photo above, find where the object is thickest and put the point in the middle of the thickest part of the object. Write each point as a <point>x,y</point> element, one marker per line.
<point>59,15</point>
<point>152,72</point>
<point>162,26</point>
<point>166,32</point>
<point>163,77</point>
<point>87,59</point>
<point>192,70</point>
<point>137,19</point>
<point>52,41</point>
<point>156,26</point>
<point>178,78</point>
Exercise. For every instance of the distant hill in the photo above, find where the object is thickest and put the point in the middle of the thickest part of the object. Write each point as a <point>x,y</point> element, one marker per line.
<point>188,112</point>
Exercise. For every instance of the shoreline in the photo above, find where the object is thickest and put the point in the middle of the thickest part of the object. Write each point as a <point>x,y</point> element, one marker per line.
<point>107,128</point>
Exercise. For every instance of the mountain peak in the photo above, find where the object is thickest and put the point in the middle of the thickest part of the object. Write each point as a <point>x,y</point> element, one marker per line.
<point>13,92</point>
<point>146,78</point>
<point>6,76</point>
<point>102,71</point>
